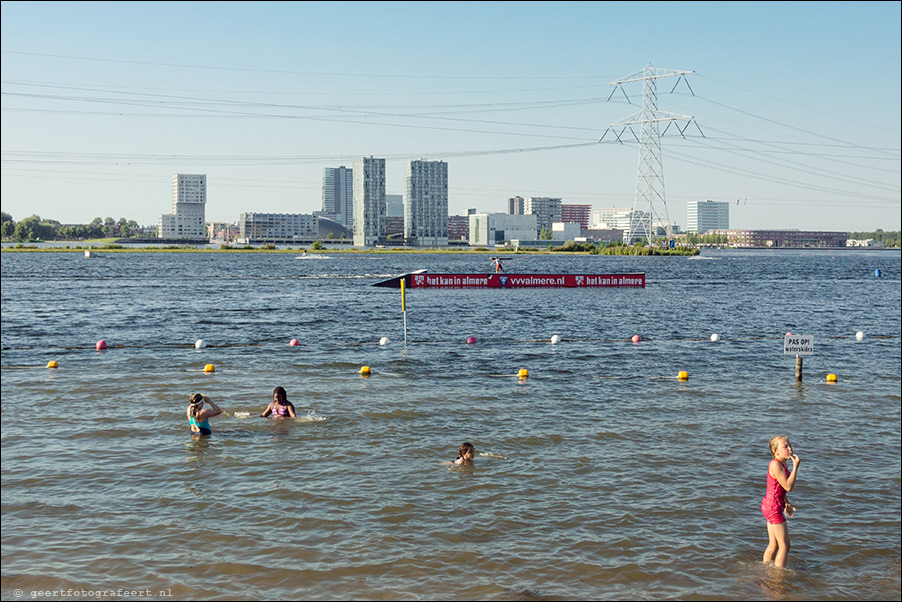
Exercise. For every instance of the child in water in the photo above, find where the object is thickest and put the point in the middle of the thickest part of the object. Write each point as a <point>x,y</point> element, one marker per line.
<point>774,506</point>
<point>465,453</point>
<point>199,416</point>
<point>280,407</point>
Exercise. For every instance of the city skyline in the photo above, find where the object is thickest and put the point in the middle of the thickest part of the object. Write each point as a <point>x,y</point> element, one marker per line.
<point>797,105</point>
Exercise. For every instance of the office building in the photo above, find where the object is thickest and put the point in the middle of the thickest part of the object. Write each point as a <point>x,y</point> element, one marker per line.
<point>277,227</point>
<point>426,204</point>
<point>458,228</point>
<point>515,205</point>
<point>490,229</point>
<point>369,201</point>
<point>189,199</point>
<point>606,217</point>
<point>394,205</point>
<point>546,209</point>
<point>576,214</point>
<point>767,239</point>
<point>563,231</point>
<point>702,216</point>
<point>338,195</point>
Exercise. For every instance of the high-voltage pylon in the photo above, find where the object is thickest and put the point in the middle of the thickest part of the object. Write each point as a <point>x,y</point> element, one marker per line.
<point>650,174</point>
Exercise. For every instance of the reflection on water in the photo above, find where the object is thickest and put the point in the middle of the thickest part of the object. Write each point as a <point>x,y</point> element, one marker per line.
<point>599,476</point>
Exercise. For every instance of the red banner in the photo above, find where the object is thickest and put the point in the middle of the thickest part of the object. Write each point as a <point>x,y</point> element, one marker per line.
<point>525,280</point>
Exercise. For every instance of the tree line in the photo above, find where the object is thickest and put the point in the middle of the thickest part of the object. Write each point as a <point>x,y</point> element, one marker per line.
<point>35,228</point>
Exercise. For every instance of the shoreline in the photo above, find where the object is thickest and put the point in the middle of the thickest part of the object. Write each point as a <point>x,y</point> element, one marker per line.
<point>117,248</point>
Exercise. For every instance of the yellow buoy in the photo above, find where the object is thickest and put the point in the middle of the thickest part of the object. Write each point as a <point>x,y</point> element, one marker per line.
<point>683,375</point>
<point>365,371</point>
<point>524,373</point>
<point>209,368</point>
<point>52,364</point>
<point>831,378</point>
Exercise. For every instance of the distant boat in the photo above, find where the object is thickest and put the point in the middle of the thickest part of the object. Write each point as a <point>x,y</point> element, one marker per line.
<point>422,279</point>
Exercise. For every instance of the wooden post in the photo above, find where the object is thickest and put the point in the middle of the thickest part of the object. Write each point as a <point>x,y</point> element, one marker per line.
<point>799,368</point>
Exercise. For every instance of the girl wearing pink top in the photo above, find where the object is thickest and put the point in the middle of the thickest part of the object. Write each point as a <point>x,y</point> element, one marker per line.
<point>780,481</point>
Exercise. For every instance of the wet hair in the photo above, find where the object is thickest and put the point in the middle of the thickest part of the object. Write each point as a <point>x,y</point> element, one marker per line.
<point>465,447</point>
<point>194,403</point>
<point>773,441</point>
<point>280,394</point>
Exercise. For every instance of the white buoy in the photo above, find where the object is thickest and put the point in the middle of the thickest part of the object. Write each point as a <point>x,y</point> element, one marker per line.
<point>715,337</point>
<point>859,336</point>
<point>200,344</point>
<point>384,341</point>
<point>555,339</point>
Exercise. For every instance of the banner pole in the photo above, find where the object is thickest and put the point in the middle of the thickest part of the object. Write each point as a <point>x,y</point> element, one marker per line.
<point>404,311</point>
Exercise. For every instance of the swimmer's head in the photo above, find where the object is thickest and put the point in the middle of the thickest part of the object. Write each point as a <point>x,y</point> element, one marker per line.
<point>279,394</point>
<point>466,451</point>
<point>196,399</point>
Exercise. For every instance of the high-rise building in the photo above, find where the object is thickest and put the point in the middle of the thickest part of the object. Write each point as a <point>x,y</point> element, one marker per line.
<point>546,209</point>
<point>189,199</point>
<point>394,205</point>
<point>426,204</point>
<point>702,216</point>
<point>338,194</point>
<point>515,205</point>
<point>369,201</point>
<point>576,214</point>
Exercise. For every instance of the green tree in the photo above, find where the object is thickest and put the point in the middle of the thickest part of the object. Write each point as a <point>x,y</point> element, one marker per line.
<point>546,234</point>
<point>8,225</point>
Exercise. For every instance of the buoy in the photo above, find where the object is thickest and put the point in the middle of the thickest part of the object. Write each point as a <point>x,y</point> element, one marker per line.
<point>877,273</point>
<point>636,338</point>
<point>524,373</point>
<point>52,364</point>
<point>200,344</point>
<point>294,343</point>
<point>715,337</point>
<point>101,344</point>
<point>471,340</point>
<point>859,336</point>
<point>365,371</point>
<point>789,334</point>
<point>209,368</point>
<point>555,339</point>
<point>683,375</point>
<point>384,341</point>
<point>831,378</point>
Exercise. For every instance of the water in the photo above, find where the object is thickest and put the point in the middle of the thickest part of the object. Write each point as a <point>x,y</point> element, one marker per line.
<point>600,476</point>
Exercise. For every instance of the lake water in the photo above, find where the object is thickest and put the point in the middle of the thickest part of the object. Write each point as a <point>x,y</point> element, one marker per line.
<point>601,476</point>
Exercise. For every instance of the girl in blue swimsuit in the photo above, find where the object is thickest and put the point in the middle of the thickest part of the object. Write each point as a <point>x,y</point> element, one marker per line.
<point>199,416</point>
<point>280,406</point>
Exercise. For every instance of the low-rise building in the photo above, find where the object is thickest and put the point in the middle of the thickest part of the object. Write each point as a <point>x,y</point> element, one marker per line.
<point>765,239</point>
<point>490,229</point>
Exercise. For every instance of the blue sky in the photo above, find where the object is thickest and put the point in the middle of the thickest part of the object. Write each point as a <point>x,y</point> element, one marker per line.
<point>797,105</point>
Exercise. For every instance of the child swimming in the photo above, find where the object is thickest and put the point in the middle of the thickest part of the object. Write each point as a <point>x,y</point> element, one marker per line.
<point>465,453</point>
<point>775,506</point>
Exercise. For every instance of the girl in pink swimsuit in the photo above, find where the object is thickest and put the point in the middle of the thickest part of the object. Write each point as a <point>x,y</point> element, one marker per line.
<point>780,481</point>
<point>280,406</point>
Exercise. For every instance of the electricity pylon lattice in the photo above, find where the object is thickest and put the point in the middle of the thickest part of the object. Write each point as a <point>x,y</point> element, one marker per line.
<point>650,173</point>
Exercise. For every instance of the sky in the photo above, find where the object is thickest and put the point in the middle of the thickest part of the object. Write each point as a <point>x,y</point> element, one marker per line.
<point>794,106</point>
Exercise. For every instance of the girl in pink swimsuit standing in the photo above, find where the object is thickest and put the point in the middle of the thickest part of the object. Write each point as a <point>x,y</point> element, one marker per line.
<point>774,506</point>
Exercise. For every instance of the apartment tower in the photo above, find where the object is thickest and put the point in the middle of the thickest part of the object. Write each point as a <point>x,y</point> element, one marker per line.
<point>369,201</point>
